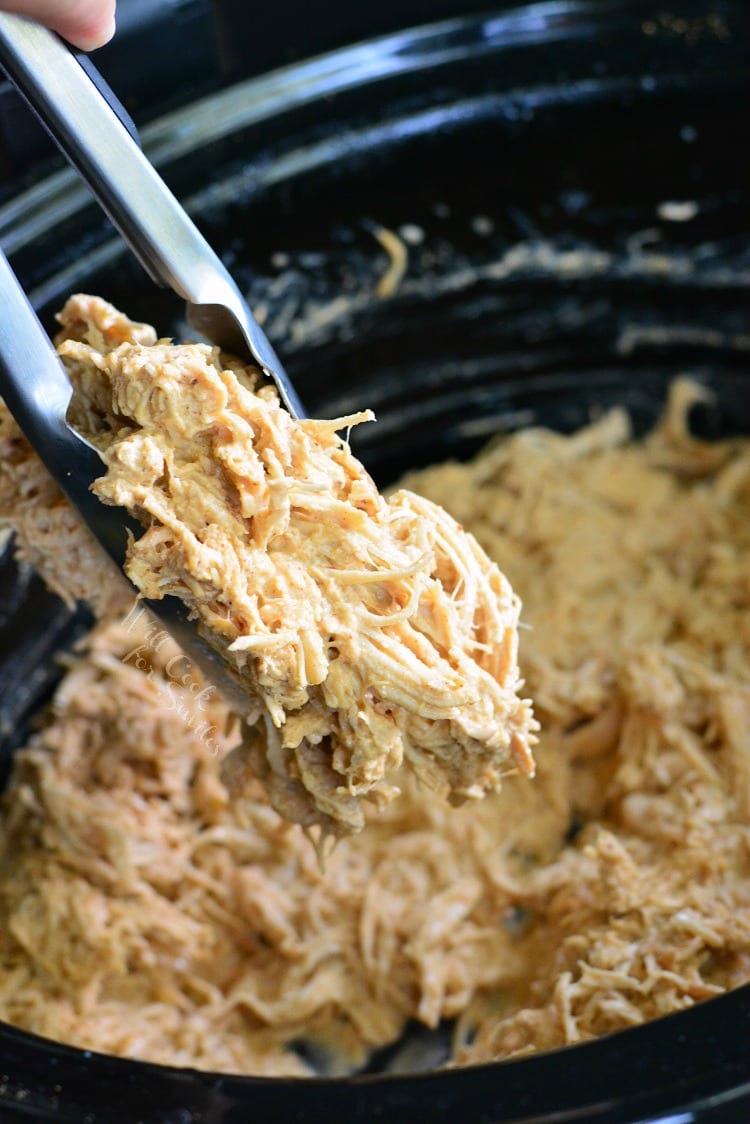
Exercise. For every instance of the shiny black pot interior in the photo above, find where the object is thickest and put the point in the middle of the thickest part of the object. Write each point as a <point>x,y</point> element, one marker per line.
<point>570,184</point>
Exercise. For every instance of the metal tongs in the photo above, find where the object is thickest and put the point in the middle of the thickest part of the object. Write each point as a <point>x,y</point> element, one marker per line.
<point>73,103</point>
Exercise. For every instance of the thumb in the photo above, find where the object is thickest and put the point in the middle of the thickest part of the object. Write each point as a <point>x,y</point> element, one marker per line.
<point>86,24</point>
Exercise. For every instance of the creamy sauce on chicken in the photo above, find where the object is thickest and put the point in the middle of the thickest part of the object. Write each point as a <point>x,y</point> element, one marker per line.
<point>368,633</point>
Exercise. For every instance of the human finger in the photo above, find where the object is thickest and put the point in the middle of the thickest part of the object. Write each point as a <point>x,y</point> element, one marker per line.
<point>87,24</point>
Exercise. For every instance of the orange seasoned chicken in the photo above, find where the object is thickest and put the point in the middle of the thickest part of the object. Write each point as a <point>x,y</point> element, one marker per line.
<point>369,633</point>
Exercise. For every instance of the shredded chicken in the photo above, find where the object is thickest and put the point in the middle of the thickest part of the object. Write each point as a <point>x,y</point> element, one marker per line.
<point>368,633</point>
<point>49,532</point>
<point>146,913</point>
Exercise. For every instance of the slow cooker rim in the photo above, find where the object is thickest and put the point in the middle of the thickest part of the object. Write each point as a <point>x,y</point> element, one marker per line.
<point>255,100</point>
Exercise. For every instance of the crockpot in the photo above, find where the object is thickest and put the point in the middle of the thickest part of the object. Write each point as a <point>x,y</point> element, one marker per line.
<point>569,185</point>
